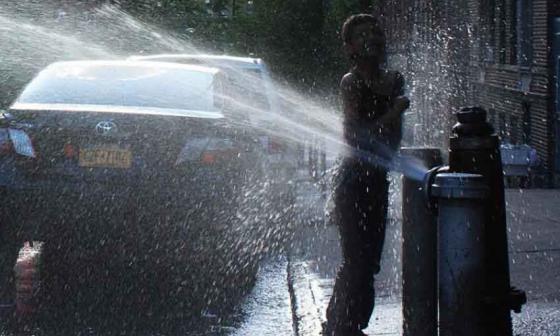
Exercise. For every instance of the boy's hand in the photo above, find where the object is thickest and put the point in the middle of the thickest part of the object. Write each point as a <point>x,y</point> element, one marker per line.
<point>401,103</point>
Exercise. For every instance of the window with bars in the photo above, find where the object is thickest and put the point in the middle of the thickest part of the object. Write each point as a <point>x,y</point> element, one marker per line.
<point>490,24</point>
<point>510,28</point>
<point>516,47</point>
<point>502,33</point>
<point>524,27</point>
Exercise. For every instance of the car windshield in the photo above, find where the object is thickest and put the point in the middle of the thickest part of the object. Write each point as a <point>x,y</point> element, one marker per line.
<point>248,88</point>
<point>141,86</point>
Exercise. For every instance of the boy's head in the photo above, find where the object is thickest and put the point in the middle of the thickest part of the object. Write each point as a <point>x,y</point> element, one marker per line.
<point>364,38</point>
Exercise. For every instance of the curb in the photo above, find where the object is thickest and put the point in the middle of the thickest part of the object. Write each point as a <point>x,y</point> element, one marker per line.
<point>267,310</point>
<point>310,295</point>
<point>306,295</point>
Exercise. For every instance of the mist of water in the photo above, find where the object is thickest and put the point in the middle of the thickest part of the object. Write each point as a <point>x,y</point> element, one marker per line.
<point>29,43</point>
<point>34,34</point>
<point>31,39</point>
<point>301,119</point>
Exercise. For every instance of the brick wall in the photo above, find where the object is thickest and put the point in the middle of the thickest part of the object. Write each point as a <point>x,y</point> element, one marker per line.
<point>520,97</point>
<point>481,63</point>
<point>555,8</point>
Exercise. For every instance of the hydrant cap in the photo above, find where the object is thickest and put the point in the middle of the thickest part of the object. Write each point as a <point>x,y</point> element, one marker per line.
<point>472,123</point>
<point>460,186</point>
<point>472,114</point>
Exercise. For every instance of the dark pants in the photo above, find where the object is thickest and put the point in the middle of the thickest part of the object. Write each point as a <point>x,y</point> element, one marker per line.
<point>360,211</point>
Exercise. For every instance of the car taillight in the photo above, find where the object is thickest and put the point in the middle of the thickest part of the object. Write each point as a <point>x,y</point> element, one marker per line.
<point>275,146</point>
<point>207,151</point>
<point>213,156</point>
<point>70,151</point>
<point>208,158</point>
<point>16,142</point>
<point>6,147</point>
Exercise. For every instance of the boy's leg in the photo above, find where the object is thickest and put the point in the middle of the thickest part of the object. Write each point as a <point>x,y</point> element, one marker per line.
<point>353,296</point>
<point>353,290</point>
<point>375,203</point>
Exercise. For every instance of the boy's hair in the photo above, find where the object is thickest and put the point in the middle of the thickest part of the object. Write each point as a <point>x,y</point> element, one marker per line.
<point>355,20</point>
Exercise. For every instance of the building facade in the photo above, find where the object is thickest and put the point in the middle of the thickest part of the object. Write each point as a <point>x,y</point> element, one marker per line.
<point>501,54</point>
<point>518,64</point>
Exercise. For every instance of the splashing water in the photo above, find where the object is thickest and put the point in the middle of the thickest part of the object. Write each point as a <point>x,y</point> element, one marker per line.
<point>309,119</point>
<point>30,42</point>
<point>112,33</point>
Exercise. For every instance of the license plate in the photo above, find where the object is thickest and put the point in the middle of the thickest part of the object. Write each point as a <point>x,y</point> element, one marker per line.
<point>105,157</point>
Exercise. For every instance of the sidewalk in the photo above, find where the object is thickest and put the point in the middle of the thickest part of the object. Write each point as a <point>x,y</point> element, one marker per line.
<point>534,242</point>
<point>533,229</point>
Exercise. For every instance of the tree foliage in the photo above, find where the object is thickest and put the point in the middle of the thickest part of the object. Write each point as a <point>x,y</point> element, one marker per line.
<point>298,38</point>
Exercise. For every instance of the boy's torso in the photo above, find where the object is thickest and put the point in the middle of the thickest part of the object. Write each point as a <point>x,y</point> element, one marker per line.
<point>375,99</point>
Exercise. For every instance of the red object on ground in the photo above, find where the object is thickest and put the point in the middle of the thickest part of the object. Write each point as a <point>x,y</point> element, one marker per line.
<point>27,278</point>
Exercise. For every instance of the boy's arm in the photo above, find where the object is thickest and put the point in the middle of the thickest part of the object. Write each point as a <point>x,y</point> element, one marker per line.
<point>350,92</point>
<point>399,103</point>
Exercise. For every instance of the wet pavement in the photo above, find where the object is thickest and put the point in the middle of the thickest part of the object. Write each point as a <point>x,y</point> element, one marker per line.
<point>533,227</point>
<point>313,264</point>
<point>534,231</point>
<point>292,290</point>
<point>268,309</point>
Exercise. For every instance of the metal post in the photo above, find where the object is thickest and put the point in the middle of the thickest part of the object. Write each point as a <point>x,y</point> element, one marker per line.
<point>419,258</point>
<point>461,247</point>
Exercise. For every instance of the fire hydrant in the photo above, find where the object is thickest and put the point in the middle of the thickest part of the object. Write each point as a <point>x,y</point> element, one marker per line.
<point>475,148</point>
<point>472,242</point>
<point>461,252</point>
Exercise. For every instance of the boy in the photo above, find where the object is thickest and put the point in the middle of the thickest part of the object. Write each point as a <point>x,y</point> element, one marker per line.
<point>373,106</point>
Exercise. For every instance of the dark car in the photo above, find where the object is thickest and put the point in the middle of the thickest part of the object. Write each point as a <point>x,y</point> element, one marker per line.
<point>136,169</point>
<point>254,90</point>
